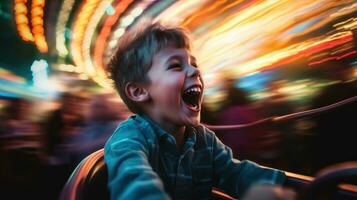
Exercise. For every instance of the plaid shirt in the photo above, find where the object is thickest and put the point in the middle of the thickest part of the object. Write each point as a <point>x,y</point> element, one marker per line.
<point>144,163</point>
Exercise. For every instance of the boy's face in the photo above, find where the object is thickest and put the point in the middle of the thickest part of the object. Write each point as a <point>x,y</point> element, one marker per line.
<point>175,88</point>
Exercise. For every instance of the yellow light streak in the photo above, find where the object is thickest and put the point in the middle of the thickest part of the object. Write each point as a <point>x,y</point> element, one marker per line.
<point>38,31</point>
<point>88,36</point>
<point>62,20</point>
<point>81,21</point>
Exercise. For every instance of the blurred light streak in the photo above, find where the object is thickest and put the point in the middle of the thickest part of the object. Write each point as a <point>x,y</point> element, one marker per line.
<point>21,20</point>
<point>62,20</point>
<point>345,10</point>
<point>102,38</point>
<point>322,15</point>
<point>243,38</point>
<point>236,37</point>
<point>175,14</point>
<point>9,76</point>
<point>205,12</point>
<point>293,52</point>
<point>239,35</point>
<point>110,10</point>
<point>342,48</point>
<point>40,75</point>
<point>38,31</point>
<point>124,22</point>
<point>81,22</point>
<point>88,36</point>
<point>69,68</point>
<point>23,90</point>
<point>333,58</point>
<point>347,25</point>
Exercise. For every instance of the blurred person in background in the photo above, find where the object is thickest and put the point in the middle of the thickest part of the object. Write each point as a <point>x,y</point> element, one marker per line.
<point>277,104</point>
<point>103,118</point>
<point>335,135</point>
<point>252,143</point>
<point>19,149</point>
<point>60,127</point>
<point>16,118</point>
<point>64,123</point>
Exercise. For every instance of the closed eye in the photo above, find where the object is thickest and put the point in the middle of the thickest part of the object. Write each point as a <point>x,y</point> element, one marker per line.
<point>194,65</point>
<point>175,66</point>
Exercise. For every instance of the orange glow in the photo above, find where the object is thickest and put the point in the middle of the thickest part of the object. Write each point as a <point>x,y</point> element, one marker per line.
<point>22,24</point>
<point>20,8</point>
<point>37,20</point>
<point>105,32</point>
<point>37,14</point>
<point>21,19</point>
<point>37,30</point>
<point>81,21</point>
<point>333,58</point>
<point>293,52</point>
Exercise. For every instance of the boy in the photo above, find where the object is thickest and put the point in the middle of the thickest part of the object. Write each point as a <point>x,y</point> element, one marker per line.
<point>163,151</point>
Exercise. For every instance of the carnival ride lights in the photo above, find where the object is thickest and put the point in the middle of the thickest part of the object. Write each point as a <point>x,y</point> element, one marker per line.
<point>36,32</point>
<point>237,37</point>
<point>62,20</point>
<point>22,23</point>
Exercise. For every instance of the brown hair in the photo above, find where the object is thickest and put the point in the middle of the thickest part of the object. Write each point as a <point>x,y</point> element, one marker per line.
<point>134,54</point>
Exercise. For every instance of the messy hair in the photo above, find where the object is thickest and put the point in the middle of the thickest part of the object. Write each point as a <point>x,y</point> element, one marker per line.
<point>133,57</point>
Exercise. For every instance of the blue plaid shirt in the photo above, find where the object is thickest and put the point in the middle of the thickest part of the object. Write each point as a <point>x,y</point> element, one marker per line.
<point>144,163</point>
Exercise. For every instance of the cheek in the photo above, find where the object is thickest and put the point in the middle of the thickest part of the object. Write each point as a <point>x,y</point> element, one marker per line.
<point>170,88</point>
<point>201,79</point>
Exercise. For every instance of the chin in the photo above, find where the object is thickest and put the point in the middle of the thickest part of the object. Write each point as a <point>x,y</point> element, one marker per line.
<point>194,121</point>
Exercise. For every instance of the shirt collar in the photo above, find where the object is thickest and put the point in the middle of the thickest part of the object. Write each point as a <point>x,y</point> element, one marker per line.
<point>161,133</point>
<point>157,129</point>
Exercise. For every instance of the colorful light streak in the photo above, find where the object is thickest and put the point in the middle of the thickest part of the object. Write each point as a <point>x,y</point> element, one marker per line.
<point>124,22</point>
<point>237,37</point>
<point>9,76</point>
<point>35,34</point>
<point>87,39</point>
<point>21,20</point>
<point>63,17</point>
<point>86,11</point>
<point>106,30</point>
<point>333,58</point>
<point>38,31</point>
<point>175,14</point>
<point>293,52</point>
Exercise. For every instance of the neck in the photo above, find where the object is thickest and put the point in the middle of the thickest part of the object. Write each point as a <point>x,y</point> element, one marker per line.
<point>179,136</point>
<point>177,131</point>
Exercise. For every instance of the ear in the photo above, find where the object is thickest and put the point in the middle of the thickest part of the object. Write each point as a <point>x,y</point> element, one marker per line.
<point>136,92</point>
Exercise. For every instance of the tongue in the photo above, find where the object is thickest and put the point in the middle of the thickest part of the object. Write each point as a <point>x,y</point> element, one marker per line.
<point>191,106</point>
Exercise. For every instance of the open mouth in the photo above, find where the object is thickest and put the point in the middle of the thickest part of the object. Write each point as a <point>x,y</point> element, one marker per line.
<point>191,96</point>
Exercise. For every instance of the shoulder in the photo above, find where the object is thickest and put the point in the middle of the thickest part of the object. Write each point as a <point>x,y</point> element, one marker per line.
<point>202,129</point>
<point>205,134</point>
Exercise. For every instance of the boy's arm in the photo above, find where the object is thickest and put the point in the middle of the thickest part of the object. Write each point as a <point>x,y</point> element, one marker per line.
<point>130,175</point>
<point>236,177</point>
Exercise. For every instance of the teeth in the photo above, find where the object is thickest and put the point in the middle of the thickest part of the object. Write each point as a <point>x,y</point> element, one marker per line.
<point>193,89</point>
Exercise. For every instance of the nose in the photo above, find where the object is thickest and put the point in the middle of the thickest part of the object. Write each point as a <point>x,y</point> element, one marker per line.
<point>193,71</point>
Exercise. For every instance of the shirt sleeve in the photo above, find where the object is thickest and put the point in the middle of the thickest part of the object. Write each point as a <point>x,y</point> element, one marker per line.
<point>236,177</point>
<point>130,175</point>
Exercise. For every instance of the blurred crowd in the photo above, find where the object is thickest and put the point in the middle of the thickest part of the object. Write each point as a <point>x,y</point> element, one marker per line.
<point>302,145</point>
<point>42,141</point>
